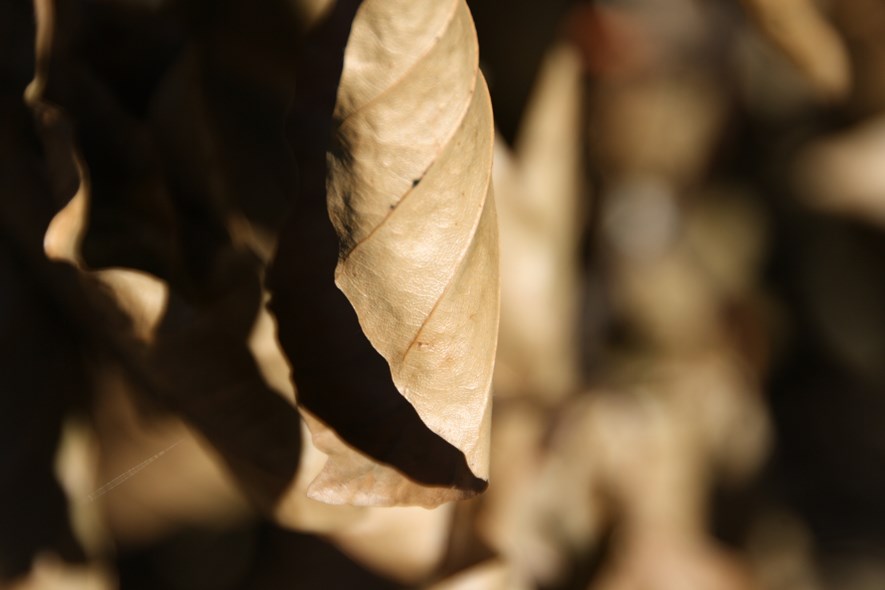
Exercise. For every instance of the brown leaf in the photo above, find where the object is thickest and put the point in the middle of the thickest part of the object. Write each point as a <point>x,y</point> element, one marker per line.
<point>42,379</point>
<point>106,95</point>
<point>206,372</point>
<point>538,193</point>
<point>192,358</point>
<point>42,375</point>
<point>843,174</point>
<point>148,157</point>
<point>416,256</point>
<point>404,543</point>
<point>410,196</point>
<point>51,573</point>
<point>177,113</point>
<point>185,486</point>
<point>805,36</point>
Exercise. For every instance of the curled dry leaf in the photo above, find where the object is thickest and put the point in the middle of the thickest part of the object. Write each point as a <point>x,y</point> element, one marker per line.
<point>395,378</point>
<point>410,196</point>
<point>806,37</point>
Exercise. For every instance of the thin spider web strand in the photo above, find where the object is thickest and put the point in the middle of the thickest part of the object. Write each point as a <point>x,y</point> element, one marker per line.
<point>123,477</point>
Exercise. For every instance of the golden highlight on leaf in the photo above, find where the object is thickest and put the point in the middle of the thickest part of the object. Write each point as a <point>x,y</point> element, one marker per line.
<point>798,29</point>
<point>410,197</point>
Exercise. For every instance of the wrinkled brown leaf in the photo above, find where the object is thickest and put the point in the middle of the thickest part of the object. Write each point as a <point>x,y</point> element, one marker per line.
<point>415,246</point>
<point>146,146</point>
<point>410,196</point>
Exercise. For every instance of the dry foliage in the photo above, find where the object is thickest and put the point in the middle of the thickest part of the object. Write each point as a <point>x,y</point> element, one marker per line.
<point>250,290</point>
<point>409,196</point>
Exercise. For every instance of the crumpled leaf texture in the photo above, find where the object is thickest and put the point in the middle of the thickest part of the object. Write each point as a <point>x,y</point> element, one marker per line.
<point>393,366</point>
<point>410,197</point>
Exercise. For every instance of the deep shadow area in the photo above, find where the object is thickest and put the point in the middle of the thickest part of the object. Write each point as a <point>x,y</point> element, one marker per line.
<point>338,374</point>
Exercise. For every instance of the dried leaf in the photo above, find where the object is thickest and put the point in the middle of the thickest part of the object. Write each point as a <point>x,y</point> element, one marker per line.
<point>843,173</point>
<point>50,573</point>
<point>179,125</point>
<point>129,435</point>
<point>806,37</point>
<point>414,249</point>
<point>195,360</point>
<point>538,191</point>
<point>184,486</point>
<point>192,358</point>
<point>41,363</point>
<point>410,196</point>
<point>507,521</point>
<point>404,543</point>
<point>42,379</point>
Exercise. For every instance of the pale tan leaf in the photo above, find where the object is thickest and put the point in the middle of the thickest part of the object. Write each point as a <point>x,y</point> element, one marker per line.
<point>297,510</point>
<point>844,174</point>
<point>510,512</point>
<point>143,499</point>
<point>65,232</point>
<point>192,467</point>
<point>350,477</point>
<point>51,573</point>
<point>179,363</point>
<point>806,37</point>
<point>538,195</point>
<point>403,543</point>
<point>410,197</point>
<point>76,464</point>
